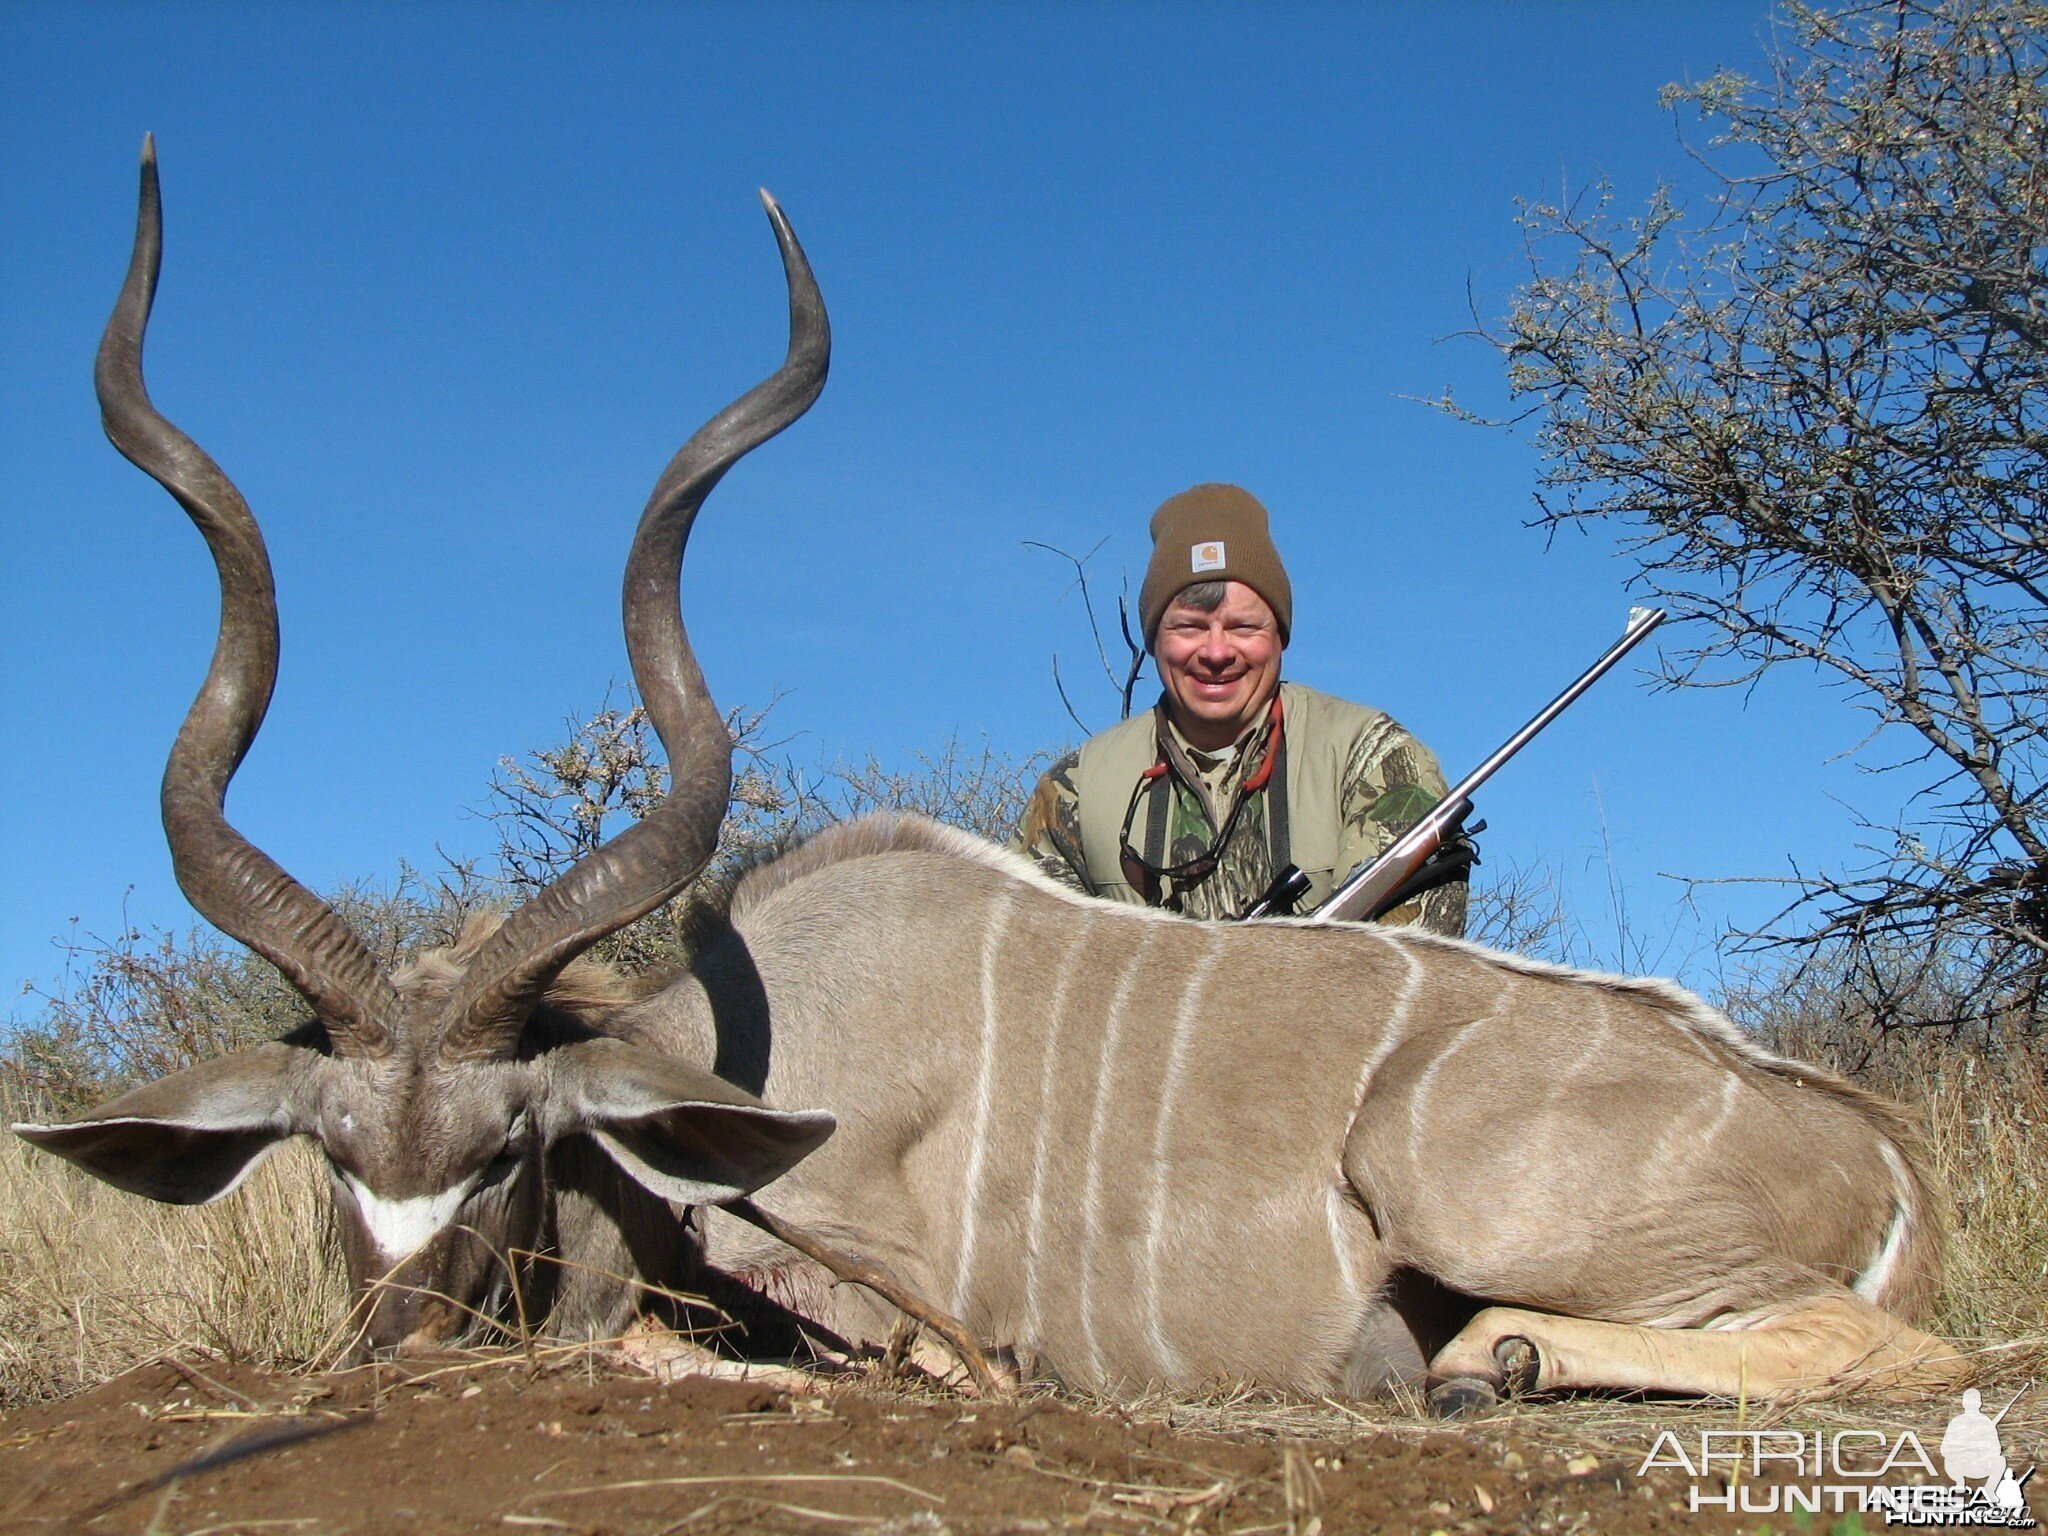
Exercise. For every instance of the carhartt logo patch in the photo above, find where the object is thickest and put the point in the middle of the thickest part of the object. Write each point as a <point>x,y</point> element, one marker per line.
<point>1207,557</point>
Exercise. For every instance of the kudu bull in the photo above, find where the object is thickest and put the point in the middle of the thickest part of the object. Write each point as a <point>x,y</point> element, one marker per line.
<point>1133,1148</point>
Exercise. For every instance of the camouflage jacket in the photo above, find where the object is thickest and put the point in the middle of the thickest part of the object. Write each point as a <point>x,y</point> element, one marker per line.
<point>1354,781</point>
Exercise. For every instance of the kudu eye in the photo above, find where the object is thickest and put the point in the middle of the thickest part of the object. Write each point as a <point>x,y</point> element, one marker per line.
<point>508,1156</point>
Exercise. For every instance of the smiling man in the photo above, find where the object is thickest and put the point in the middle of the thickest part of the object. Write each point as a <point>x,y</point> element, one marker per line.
<point>1197,804</point>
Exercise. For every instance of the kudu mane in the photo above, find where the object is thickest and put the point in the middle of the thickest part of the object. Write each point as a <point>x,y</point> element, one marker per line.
<point>755,883</point>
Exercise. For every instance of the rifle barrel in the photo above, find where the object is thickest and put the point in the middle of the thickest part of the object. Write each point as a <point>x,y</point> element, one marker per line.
<point>1641,622</point>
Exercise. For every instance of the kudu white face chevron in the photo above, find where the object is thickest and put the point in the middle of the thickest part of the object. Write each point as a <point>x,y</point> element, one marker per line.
<point>1140,1149</point>
<point>400,1228</point>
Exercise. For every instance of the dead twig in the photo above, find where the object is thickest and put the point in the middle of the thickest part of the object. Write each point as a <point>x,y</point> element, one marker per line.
<point>206,1383</point>
<point>966,1348</point>
<point>713,1480</point>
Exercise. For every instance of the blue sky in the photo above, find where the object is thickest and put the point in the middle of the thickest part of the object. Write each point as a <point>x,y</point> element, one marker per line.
<point>446,285</point>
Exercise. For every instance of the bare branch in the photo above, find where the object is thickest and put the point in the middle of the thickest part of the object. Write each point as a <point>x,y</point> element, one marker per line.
<point>1126,682</point>
<point>1816,413</point>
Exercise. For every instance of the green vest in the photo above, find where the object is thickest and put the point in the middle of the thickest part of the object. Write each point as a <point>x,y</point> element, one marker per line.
<point>1320,731</point>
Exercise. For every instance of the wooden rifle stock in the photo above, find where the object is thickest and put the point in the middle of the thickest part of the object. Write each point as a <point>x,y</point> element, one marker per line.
<point>1374,889</point>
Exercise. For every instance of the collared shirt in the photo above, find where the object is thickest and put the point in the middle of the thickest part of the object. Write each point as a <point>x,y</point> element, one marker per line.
<point>1217,774</point>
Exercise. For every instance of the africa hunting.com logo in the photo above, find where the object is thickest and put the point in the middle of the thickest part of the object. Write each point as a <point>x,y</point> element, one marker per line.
<point>1863,1471</point>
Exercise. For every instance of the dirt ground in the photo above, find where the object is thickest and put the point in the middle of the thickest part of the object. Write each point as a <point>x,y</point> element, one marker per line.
<point>198,1448</point>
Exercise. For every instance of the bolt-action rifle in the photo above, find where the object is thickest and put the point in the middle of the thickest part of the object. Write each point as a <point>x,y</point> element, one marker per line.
<point>1437,848</point>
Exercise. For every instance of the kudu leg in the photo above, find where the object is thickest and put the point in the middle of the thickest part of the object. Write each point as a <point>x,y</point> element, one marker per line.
<point>1827,1345</point>
<point>963,1343</point>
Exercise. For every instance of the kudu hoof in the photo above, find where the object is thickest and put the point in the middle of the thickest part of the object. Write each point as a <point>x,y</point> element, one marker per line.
<point>1462,1397</point>
<point>1520,1365</point>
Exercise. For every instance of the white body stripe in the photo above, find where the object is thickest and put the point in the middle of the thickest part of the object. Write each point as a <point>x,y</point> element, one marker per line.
<point>1684,1136</point>
<point>1333,1200</point>
<point>1425,1085</point>
<point>984,1107</point>
<point>1871,1284</point>
<point>1091,1190</point>
<point>1041,1140</point>
<point>1155,1216</point>
<point>1411,984</point>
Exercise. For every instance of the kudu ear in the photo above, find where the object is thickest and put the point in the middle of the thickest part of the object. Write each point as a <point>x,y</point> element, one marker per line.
<point>689,1137</point>
<point>190,1137</point>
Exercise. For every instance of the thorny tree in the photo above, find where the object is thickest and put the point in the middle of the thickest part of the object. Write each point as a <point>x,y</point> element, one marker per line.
<point>1820,415</point>
<point>562,800</point>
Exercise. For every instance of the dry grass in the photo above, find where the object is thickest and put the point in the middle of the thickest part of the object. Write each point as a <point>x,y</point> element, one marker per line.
<point>94,1282</point>
<point>1988,1129</point>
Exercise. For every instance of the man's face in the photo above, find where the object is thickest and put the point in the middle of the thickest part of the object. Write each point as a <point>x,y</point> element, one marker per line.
<point>1219,669</point>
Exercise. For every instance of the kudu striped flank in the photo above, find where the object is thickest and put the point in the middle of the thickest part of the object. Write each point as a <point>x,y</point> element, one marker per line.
<point>1132,1149</point>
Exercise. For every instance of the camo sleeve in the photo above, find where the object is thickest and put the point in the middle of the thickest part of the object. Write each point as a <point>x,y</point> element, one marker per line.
<point>1049,832</point>
<point>1390,783</point>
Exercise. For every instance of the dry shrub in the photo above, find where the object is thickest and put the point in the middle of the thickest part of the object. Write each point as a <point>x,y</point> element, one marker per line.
<point>1987,1122</point>
<point>94,1281</point>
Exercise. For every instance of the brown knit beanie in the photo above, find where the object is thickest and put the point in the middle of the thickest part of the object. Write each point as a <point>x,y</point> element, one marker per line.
<point>1213,533</point>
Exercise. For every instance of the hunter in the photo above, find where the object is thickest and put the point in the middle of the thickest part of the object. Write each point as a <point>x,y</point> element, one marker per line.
<point>1199,803</point>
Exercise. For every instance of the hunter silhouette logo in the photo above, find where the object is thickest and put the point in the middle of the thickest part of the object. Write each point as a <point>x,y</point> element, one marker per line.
<point>1971,1453</point>
<point>1968,1481</point>
<point>1207,557</point>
